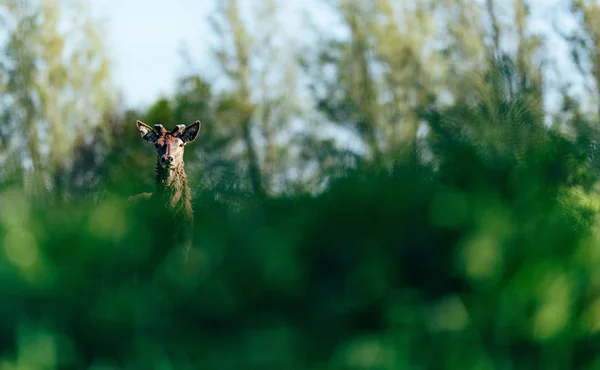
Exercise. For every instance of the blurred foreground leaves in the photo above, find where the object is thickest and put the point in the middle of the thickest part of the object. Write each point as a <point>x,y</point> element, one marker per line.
<point>460,232</point>
<point>490,264</point>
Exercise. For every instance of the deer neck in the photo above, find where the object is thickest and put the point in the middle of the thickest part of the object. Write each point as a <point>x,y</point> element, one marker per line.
<point>172,187</point>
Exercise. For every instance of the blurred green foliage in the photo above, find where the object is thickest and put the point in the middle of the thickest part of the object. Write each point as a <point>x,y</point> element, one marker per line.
<point>463,233</point>
<point>485,258</point>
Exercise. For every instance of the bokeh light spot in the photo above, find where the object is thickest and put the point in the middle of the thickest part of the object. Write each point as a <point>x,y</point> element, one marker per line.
<point>15,208</point>
<point>482,256</point>
<point>108,220</point>
<point>21,247</point>
<point>449,314</point>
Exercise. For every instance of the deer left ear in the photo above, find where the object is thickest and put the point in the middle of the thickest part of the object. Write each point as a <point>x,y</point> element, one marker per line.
<point>191,132</point>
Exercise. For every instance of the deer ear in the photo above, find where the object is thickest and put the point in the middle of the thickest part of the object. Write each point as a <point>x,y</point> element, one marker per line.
<point>146,132</point>
<point>191,132</point>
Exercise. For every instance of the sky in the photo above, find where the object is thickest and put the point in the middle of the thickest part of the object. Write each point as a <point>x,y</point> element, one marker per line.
<point>144,38</point>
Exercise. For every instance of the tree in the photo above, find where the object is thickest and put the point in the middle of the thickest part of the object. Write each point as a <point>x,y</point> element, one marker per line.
<point>584,44</point>
<point>59,82</point>
<point>19,68</point>
<point>380,77</point>
<point>234,58</point>
<point>262,100</point>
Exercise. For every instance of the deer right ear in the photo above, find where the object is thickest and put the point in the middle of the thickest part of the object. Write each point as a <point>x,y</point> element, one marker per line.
<point>146,132</point>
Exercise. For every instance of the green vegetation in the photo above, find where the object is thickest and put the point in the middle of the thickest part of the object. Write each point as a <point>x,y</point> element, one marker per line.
<point>460,232</point>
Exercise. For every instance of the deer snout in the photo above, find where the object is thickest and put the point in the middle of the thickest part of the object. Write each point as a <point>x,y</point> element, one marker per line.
<point>167,158</point>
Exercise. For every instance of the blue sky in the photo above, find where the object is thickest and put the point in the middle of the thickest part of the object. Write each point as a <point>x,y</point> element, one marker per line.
<point>144,38</point>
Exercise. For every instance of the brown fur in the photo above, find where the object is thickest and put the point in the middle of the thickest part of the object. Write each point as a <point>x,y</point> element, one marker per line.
<point>172,189</point>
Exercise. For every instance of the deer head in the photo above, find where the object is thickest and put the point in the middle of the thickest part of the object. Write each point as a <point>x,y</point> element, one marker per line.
<point>169,144</point>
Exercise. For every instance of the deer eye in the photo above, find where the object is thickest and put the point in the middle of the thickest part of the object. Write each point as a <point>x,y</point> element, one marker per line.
<point>181,145</point>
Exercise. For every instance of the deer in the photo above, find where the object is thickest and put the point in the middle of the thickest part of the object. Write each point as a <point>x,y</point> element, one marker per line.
<point>172,191</point>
